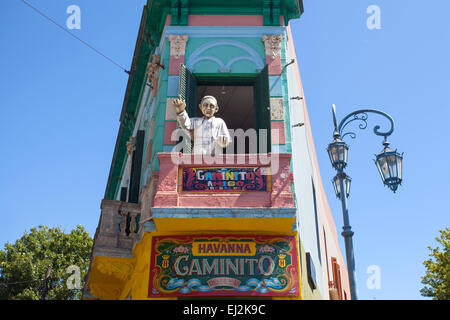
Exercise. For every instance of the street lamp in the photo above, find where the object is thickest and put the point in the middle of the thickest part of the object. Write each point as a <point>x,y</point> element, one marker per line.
<point>388,162</point>
<point>337,184</point>
<point>338,153</point>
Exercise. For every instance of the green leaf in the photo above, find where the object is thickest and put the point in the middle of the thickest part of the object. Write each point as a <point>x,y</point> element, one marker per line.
<point>23,265</point>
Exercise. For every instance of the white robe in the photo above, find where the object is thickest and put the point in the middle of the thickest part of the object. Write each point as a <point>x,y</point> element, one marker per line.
<point>206,132</point>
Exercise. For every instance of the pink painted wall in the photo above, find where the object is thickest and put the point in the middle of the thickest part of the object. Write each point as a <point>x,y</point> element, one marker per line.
<point>225,20</point>
<point>280,137</point>
<point>167,194</point>
<point>175,65</point>
<point>274,65</point>
<point>169,128</point>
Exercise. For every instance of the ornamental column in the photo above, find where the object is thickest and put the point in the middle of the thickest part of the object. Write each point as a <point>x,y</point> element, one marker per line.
<point>272,44</point>
<point>177,52</point>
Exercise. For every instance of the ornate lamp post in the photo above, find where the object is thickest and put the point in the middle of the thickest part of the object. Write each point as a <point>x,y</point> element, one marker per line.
<point>388,162</point>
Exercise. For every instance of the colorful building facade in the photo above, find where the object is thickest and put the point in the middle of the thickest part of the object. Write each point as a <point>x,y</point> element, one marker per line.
<point>253,222</point>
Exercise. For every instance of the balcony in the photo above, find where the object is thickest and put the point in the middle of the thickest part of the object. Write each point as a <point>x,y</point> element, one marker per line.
<point>117,229</point>
<point>266,206</point>
<point>167,205</point>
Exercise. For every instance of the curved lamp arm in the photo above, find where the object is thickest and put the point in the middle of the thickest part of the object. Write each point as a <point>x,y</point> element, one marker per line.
<point>361,115</point>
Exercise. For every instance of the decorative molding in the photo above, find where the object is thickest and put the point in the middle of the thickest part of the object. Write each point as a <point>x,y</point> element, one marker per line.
<point>222,212</point>
<point>222,31</point>
<point>131,145</point>
<point>178,45</point>
<point>253,56</point>
<point>106,291</point>
<point>273,45</point>
<point>276,109</point>
<point>153,68</point>
<point>120,270</point>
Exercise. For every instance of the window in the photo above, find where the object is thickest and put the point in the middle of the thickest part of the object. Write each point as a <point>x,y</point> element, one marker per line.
<point>244,100</point>
<point>326,253</point>
<point>136,165</point>
<point>311,271</point>
<point>316,218</point>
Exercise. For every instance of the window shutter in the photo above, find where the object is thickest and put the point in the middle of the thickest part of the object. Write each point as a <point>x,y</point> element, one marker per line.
<point>311,271</point>
<point>183,82</point>
<point>123,194</point>
<point>337,276</point>
<point>188,92</point>
<point>136,165</point>
<point>262,106</point>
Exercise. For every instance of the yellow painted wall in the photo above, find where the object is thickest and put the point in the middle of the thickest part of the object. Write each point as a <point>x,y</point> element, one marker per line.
<point>121,278</point>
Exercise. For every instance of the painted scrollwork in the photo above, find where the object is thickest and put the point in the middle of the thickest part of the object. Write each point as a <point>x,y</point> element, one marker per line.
<point>106,292</point>
<point>118,269</point>
<point>273,45</point>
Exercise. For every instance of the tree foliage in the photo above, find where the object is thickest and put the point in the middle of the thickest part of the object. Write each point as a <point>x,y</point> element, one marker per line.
<point>437,277</point>
<point>23,265</point>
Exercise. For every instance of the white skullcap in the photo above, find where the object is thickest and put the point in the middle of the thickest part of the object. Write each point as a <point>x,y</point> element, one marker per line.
<point>208,97</point>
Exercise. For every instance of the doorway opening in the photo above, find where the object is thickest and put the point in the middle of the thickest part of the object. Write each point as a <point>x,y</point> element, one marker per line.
<point>244,103</point>
<point>236,108</point>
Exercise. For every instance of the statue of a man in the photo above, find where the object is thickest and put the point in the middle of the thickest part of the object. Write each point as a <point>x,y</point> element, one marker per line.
<point>209,133</point>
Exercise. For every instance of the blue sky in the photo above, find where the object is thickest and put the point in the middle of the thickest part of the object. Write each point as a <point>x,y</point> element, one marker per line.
<point>61,102</point>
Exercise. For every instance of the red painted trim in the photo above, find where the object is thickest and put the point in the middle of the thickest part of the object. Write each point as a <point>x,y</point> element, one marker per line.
<point>168,20</point>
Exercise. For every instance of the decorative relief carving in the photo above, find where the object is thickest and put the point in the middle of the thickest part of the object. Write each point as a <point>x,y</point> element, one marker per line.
<point>276,109</point>
<point>273,45</point>
<point>153,68</point>
<point>118,269</point>
<point>106,291</point>
<point>178,45</point>
<point>131,145</point>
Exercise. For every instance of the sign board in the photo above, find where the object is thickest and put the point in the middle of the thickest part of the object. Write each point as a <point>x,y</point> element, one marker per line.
<point>223,265</point>
<point>229,179</point>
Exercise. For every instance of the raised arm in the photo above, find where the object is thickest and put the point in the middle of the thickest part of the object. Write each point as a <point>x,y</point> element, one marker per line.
<point>182,116</point>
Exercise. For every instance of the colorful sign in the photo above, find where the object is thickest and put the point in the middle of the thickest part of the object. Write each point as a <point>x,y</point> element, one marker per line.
<point>223,265</point>
<point>230,179</point>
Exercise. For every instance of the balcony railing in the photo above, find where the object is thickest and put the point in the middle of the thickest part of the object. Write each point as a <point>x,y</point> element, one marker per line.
<point>118,228</point>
